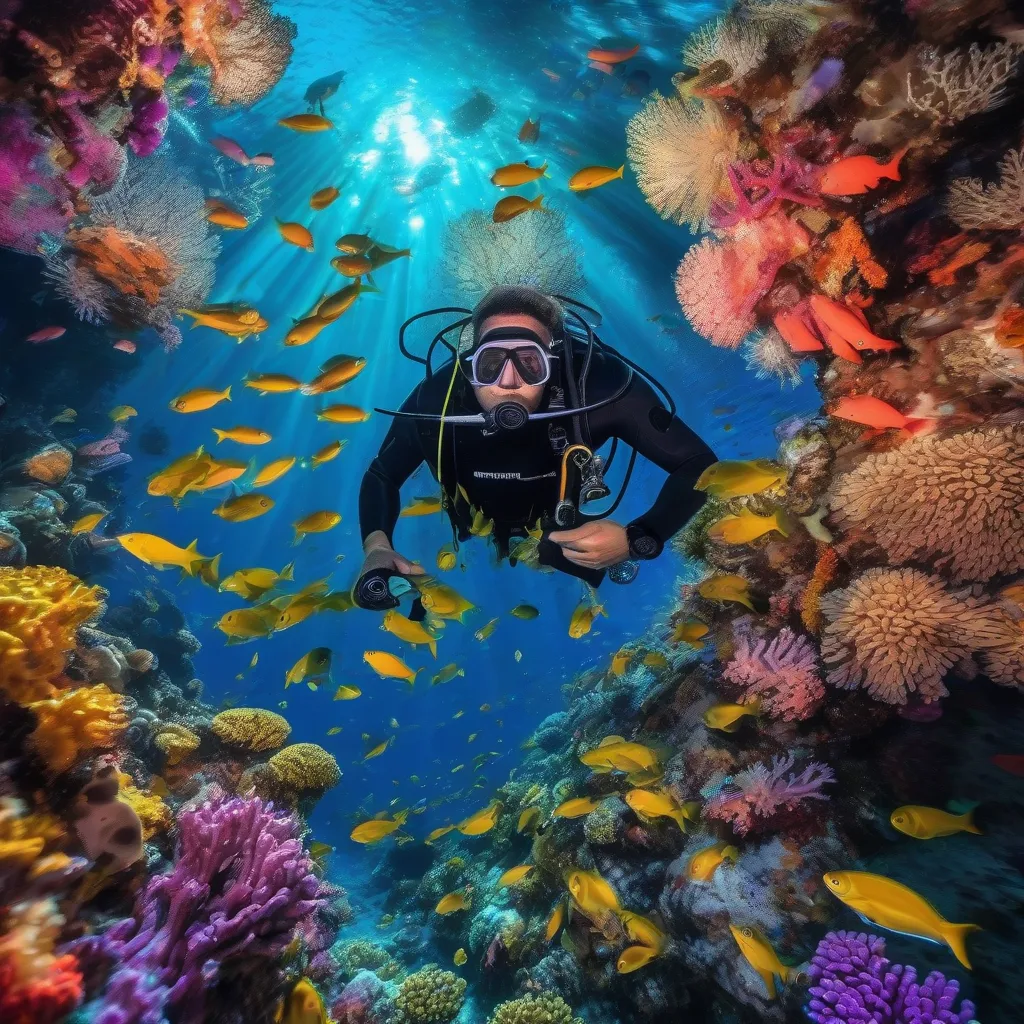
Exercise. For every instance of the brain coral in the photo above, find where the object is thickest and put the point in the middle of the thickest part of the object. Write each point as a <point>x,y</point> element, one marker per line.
<point>176,742</point>
<point>955,502</point>
<point>545,1008</point>
<point>76,721</point>
<point>40,609</point>
<point>430,995</point>
<point>304,767</point>
<point>254,729</point>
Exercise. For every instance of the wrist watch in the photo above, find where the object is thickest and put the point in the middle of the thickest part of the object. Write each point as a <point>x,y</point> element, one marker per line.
<point>643,544</point>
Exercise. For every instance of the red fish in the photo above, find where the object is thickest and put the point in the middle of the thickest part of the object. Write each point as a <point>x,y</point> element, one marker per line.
<point>530,131</point>
<point>554,76</point>
<point>612,56</point>
<point>231,149</point>
<point>840,320</point>
<point>1012,763</point>
<point>45,334</point>
<point>795,332</point>
<point>873,412</point>
<point>262,160</point>
<point>858,174</point>
<point>124,345</point>
<point>600,65</point>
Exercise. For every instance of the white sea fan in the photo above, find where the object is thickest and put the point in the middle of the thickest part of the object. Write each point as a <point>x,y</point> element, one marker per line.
<point>770,358</point>
<point>741,46</point>
<point>973,204</point>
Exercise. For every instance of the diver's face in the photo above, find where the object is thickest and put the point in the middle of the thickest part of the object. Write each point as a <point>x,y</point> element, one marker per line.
<point>509,386</point>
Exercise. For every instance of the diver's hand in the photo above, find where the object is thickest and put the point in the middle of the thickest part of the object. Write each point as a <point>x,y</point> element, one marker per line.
<point>594,546</point>
<point>381,555</point>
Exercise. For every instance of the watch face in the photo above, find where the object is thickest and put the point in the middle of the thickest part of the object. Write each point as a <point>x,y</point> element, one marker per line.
<point>645,546</point>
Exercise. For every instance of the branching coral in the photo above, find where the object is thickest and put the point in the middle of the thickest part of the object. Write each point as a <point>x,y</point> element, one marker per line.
<point>76,721</point>
<point>544,1008</point>
<point>254,729</point>
<point>973,204</point>
<point>759,794</point>
<point>782,671</point>
<point>845,254</point>
<point>430,996</point>
<point>680,152</point>
<point>533,250</point>
<point>955,502</point>
<point>40,609</point>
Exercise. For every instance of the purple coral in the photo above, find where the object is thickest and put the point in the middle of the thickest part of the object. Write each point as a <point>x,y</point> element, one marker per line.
<point>240,885</point>
<point>759,794</point>
<point>105,454</point>
<point>782,671</point>
<point>853,982</point>
<point>760,187</point>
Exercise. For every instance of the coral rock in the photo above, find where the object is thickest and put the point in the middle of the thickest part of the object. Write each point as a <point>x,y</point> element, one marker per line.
<point>75,722</point>
<point>304,767</point>
<point>430,996</point>
<point>253,729</point>
<point>176,741</point>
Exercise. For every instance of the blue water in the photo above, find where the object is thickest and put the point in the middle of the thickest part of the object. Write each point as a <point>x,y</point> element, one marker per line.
<point>408,66</point>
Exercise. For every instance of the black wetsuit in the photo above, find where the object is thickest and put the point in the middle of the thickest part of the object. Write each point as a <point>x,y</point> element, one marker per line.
<point>514,477</point>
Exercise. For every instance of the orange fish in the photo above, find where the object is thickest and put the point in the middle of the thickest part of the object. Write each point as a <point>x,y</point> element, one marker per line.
<point>219,213</point>
<point>323,198</point>
<point>839,323</point>
<point>1012,763</point>
<point>296,234</point>
<point>511,206</point>
<point>530,131</point>
<point>873,412</point>
<point>795,332</point>
<point>857,174</point>
<point>554,76</point>
<point>612,56</point>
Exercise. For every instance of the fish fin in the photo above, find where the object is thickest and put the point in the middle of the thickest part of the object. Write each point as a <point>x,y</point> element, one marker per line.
<point>892,168</point>
<point>611,739</point>
<point>288,572</point>
<point>298,538</point>
<point>679,820</point>
<point>731,853</point>
<point>371,285</point>
<point>919,425</point>
<point>433,648</point>
<point>968,823</point>
<point>618,173</point>
<point>227,393</point>
<point>732,726</point>
<point>769,981</point>
<point>220,435</point>
<point>956,938</point>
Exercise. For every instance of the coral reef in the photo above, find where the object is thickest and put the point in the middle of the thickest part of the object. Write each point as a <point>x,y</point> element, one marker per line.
<point>430,995</point>
<point>252,729</point>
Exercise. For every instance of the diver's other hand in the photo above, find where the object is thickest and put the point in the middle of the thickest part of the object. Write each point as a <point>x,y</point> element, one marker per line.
<point>595,545</point>
<point>381,555</point>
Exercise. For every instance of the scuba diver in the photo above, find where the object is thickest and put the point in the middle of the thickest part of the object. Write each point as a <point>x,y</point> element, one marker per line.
<point>510,428</point>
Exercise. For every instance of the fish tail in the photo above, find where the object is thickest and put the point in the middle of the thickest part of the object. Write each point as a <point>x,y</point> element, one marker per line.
<point>618,173</point>
<point>298,537</point>
<point>288,572</point>
<point>432,647</point>
<point>955,936</point>
<point>678,818</point>
<point>221,434</point>
<point>892,168</point>
<point>227,393</point>
<point>536,204</point>
<point>967,820</point>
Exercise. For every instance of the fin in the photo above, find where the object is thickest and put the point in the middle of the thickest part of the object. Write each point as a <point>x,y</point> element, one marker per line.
<point>956,938</point>
<point>731,853</point>
<point>618,173</point>
<point>298,538</point>
<point>968,823</point>
<point>370,286</point>
<point>611,739</point>
<point>288,572</point>
<point>227,393</point>
<point>417,613</point>
<point>769,981</point>
<point>220,434</point>
<point>433,647</point>
<point>892,168</point>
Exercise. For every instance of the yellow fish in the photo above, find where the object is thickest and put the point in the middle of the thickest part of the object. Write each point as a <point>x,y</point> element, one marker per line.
<point>160,553</point>
<point>482,821</point>
<point>354,244</point>
<point>234,320</point>
<point>582,620</point>
<point>554,921</point>
<point>244,624</point>
<point>649,805</point>
<point>297,610</point>
<point>340,302</point>
<point>525,612</point>
<point>314,665</point>
<point>747,526</point>
<point>328,452</point>
<point>244,507</point>
<point>422,507</point>
<point>243,435</point>
<point>451,903</point>
<point>729,717</point>
<point>334,730</point>
<point>200,399</point>
<point>594,177</point>
<point>343,414</point>
<point>344,692</point>
<point>515,874</point>
<point>690,631</point>
<point>591,892</point>
<point>757,951</point>
<point>295,234</point>
<point>447,674</point>
<point>221,472</point>
<point>738,479</point>
<point>387,666</point>
<point>303,1005</point>
<point>315,522</point>
<point>460,957</point>
<point>272,383</point>
<point>620,662</point>
<point>303,331</point>
<point>727,587</point>
<point>377,750</point>
<point>512,206</point>
<point>306,123</point>
<point>702,866</point>
<point>615,754</point>
<point>446,558</point>
<point>643,930</point>
<point>485,631</point>
<point>930,823</point>
<point>273,471</point>
<point>895,907</point>
<point>252,584</point>
<point>440,600</point>
<point>529,819</point>
<point>405,629</point>
<point>513,175</point>
<point>575,808</point>
<point>323,197</point>
<point>655,659</point>
<point>120,413</point>
<point>88,523</point>
<point>334,373</point>
<point>438,833</point>
<point>376,829</point>
<point>181,476</point>
<point>67,416</point>
<point>632,958</point>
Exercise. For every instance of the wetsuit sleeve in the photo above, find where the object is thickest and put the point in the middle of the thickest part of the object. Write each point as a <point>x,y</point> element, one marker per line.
<point>641,420</point>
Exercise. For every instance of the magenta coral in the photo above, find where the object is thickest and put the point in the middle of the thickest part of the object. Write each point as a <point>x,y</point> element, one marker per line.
<point>761,186</point>
<point>782,671</point>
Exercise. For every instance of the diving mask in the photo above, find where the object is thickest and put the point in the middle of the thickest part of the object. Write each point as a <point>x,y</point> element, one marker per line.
<point>530,359</point>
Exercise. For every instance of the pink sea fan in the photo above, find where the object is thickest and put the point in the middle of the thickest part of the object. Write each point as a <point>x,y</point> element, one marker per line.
<point>782,671</point>
<point>719,283</point>
<point>759,794</point>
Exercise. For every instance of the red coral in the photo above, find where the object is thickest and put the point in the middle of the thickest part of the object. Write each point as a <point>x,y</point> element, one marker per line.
<point>42,1000</point>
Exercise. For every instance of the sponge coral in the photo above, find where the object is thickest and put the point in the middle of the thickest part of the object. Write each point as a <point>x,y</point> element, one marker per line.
<point>40,609</point>
<point>24,837</point>
<point>176,741</point>
<point>153,813</point>
<point>253,729</point>
<point>77,721</point>
<point>430,995</point>
<point>545,1008</point>
<point>955,502</point>
<point>304,767</point>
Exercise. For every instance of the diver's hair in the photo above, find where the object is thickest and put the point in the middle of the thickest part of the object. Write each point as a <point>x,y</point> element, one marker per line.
<point>516,298</point>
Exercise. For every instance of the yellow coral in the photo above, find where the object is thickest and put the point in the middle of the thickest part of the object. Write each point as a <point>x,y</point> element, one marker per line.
<point>77,721</point>
<point>252,728</point>
<point>431,995</point>
<point>23,837</point>
<point>176,742</point>
<point>40,610</point>
<point>154,814</point>
<point>304,766</point>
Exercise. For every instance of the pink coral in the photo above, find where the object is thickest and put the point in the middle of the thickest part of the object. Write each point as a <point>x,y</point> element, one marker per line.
<point>761,186</point>
<point>782,671</point>
<point>760,794</point>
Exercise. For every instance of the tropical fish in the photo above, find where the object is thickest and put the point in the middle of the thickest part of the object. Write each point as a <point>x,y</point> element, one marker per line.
<point>305,330</point>
<point>452,903</point>
<point>525,611</point>
<point>388,666</point>
<point>855,175</point>
<point>655,660</point>
<point>889,904</point>
<point>792,325</point>
<point>446,558</point>
<point>297,610</point>
<point>315,522</point>
<point>512,206</point>
<point>244,624</point>
<point>447,674</point>
<point>244,507</point>
<point>295,234</point>
<point>343,414</point>
<point>88,523</point>
<point>314,665</point>
<point>220,213</point>
<point>594,177</point>
<point>272,383</point>
<point>405,629</point>
<point>724,587</point>
<point>231,149</point>
<point>233,319</point>
<point>353,244</point>
<point>306,123</point>
<point>334,305</point>
<point>632,958</point>
<point>334,373</point>
<point>837,321</point>
<point>344,692</point>
<point>513,175</point>
<point>757,951</point>
<point>424,506</point>
<point>438,833</point>
<point>930,822</point>
<point>481,526</point>
<point>352,265</point>
<point>181,475</point>
<point>120,413</point>
<point>746,526</point>
<point>221,472</point>
<point>460,957</point>
<point>67,416</point>
<point>575,808</point>
<point>273,471</point>
<point>440,600</point>
<point>873,412</point>
<point>46,334</point>
<point>328,452</point>
<point>376,829</point>
<point>252,584</point>
<point>529,819</point>
<point>243,435</point>
<point>160,553</point>
<point>702,866</point>
<point>482,821</point>
<point>689,631</point>
<point>515,874</point>
<point>486,630</point>
<point>592,893</point>
<point>530,131</point>
<point>610,56</point>
<point>583,616</point>
<point>620,661</point>
<point>647,805</point>
<point>734,479</point>
<point>615,754</point>
<point>554,921</point>
<point>729,717</point>
<point>302,1005</point>
<point>377,749</point>
<point>323,197</point>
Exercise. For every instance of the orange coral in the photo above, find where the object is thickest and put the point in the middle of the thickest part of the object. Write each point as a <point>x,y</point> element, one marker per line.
<point>844,252</point>
<point>49,465</point>
<point>134,266</point>
<point>810,603</point>
<point>943,260</point>
<point>40,610</point>
<point>89,718</point>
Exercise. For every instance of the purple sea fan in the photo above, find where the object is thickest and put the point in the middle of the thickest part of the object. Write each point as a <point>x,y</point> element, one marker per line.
<point>760,794</point>
<point>853,982</point>
<point>241,884</point>
<point>782,671</point>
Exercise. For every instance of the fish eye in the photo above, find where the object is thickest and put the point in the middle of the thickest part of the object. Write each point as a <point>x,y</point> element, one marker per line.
<point>832,880</point>
<point>747,933</point>
<point>898,819</point>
